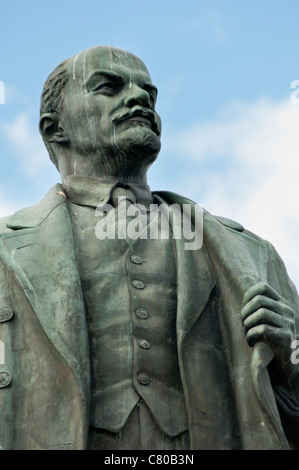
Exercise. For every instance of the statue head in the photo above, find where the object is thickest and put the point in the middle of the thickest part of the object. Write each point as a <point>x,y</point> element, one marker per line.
<point>97,115</point>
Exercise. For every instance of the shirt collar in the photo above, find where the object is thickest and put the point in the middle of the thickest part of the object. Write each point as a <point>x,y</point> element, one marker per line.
<point>90,191</point>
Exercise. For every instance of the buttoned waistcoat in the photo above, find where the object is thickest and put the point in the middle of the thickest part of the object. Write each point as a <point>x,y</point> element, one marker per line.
<point>46,403</point>
<point>130,296</point>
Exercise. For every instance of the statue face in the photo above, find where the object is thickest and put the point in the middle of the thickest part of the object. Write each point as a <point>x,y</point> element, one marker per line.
<point>109,108</point>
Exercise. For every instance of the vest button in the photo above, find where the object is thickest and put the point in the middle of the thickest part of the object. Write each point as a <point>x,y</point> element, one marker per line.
<point>141,313</point>
<point>5,314</point>
<point>143,378</point>
<point>138,284</point>
<point>143,343</point>
<point>136,259</point>
<point>5,379</point>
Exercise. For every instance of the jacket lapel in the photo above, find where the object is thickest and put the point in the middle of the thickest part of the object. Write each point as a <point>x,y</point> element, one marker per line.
<point>195,283</point>
<point>39,253</point>
<point>24,232</point>
<point>194,275</point>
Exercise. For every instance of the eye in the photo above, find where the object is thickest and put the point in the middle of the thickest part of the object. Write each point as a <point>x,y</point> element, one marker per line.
<point>108,88</point>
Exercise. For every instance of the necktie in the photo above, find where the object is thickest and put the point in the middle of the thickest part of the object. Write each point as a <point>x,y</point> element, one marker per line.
<point>120,194</point>
<point>131,217</point>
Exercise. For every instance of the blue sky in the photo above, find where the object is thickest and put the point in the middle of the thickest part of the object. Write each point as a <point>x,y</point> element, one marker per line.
<point>223,70</point>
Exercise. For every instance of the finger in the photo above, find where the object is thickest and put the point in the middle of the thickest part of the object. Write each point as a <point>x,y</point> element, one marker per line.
<point>267,317</point>
<point>262,288</point>
<point>268,334</point>
<point>261,301</point>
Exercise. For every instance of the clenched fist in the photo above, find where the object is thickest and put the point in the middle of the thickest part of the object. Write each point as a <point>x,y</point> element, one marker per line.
<point>267,317</point>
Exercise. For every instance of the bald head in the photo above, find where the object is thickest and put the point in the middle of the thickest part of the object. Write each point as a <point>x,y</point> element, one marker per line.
<point>75,67</point>
<point>100,104</point>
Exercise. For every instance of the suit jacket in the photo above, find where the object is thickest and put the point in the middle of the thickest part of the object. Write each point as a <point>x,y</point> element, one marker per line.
<point>46,405</point>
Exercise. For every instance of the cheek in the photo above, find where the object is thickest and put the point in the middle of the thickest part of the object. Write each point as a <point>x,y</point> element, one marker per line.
<point>72,117</point>
<point>88,119</point>
<point>80,118</point>
<point>99,116</point>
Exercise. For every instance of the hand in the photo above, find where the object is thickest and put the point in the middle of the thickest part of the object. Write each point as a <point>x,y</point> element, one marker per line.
<point>267,317</point>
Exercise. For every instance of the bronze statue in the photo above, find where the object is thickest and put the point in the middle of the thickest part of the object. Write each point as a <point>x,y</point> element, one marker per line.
<point>135,343</point>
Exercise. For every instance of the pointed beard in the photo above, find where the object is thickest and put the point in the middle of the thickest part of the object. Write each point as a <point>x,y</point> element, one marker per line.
<point>138,141</point>
<point>136,150</point>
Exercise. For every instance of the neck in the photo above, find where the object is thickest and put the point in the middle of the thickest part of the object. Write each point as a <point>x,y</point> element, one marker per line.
<point>66,179</point>
<point>88,167</point>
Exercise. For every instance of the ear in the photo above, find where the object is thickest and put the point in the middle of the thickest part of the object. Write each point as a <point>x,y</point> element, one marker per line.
<point>51,129</point>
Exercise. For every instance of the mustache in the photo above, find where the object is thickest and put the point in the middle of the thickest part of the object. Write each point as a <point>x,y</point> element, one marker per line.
<point>138,111</point>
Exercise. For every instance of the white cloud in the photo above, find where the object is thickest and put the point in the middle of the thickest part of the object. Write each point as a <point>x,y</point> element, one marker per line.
<point>14,95</point>
<point>27,144</point>
<point>247,166</point>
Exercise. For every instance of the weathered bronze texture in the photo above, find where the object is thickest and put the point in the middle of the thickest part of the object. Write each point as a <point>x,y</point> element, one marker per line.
<point>122,343</point>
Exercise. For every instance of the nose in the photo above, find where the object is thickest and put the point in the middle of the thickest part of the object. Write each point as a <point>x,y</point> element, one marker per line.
<point>136,95</point>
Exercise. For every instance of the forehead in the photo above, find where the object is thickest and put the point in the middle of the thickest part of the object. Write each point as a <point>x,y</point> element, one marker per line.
<point>109,59</point>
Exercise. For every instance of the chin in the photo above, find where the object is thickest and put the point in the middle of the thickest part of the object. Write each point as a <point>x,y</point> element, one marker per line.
<point>139,142</point>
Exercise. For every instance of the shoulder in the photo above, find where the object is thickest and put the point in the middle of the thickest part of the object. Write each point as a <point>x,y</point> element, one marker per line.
<point>33,216</point>
<point>230,223</point>
<point>174,198</point>
<point>213,221</point>
<point>3,224</point>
